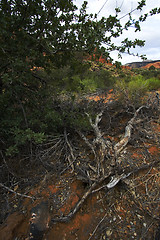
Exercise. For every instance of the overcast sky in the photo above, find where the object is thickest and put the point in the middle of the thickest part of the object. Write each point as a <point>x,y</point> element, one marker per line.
<point>150,29</point>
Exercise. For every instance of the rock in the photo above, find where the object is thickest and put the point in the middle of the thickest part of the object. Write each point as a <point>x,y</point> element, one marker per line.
<point>8,228</point>
<point>39,221</point>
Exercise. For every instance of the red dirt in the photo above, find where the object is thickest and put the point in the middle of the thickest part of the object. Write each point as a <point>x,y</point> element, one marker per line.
<point>153,150</point>
<point>106,97</point>
<point>14,221</point>
<point>124,209</point>
<point>81,225</point>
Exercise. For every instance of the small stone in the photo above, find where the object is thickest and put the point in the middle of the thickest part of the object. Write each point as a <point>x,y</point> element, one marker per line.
<point>145,225</point>
<point>109,232</point>
<point>139,216</point>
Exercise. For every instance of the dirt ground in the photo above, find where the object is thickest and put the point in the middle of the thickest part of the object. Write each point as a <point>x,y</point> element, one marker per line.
<point>130,210</point>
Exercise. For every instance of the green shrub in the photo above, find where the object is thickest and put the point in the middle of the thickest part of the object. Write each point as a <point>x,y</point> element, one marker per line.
<point>153,83</point>
<point>133,91</point>
<point>22,138</point>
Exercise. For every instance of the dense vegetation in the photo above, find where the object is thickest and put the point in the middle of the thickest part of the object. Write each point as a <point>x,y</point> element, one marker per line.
<point>53,64</point>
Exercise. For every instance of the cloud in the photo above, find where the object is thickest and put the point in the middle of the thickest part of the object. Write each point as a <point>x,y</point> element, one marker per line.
<point>149,29</point>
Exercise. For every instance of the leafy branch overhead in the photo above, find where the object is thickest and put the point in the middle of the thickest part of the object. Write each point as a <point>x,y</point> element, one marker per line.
<point>37,27</point>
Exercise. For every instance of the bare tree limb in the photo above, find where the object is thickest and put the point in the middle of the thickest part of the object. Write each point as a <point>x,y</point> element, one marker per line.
<point>128,130</point>
<point>87,142</point>
<point>105,146</point>
<point>19,194</point>
<point>71,151</point>
<point>114,180</point>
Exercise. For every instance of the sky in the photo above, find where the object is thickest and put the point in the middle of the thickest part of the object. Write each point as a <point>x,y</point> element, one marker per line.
<point>150,29</point>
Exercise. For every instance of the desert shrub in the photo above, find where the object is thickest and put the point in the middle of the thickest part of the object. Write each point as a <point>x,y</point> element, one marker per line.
<point>132,92</point>
<point>153,83</point>
<point>100,79</point>
<point>89,83</point>
<point>148,73</point>
<point>24,138</point>
<point>67,80</point>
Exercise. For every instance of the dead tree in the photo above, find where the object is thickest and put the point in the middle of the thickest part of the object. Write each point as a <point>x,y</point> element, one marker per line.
<point>106,155</point>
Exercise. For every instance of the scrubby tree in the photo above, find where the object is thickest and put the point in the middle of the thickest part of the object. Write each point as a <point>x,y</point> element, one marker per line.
<point>35,37</point>
<point>42,47</point>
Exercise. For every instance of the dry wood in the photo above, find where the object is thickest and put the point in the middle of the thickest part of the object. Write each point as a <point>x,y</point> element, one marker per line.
<point>114,180</point>
<point>19,194</point>
<point>92,234</point>
<point>128,130</point>
<point>71,152</point>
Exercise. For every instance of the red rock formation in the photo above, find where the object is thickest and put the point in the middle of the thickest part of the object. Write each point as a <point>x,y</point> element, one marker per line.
<point>156,65</point>
<point>126,67</point>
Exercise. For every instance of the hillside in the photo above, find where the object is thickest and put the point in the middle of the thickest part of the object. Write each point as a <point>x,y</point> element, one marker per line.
<point>142,64</point>
<point>155,64</point>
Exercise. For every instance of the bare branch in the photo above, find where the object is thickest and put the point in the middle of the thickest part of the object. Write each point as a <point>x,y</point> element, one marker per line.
<point>19,194</point>
<point>97,226</point>
<point>128,130</point>
<point>71,151</point>
<point>87,142</point>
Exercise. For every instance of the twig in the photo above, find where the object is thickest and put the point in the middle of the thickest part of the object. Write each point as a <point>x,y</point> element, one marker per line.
<point>67,167</point>
<point>4,160</point>
<point>71,151</point>
<point>87,142</point>
<point>128,129</point>
<point>97,226</point>
<point>79,204</point>
<point>19,194</point>
<point>143,236</point>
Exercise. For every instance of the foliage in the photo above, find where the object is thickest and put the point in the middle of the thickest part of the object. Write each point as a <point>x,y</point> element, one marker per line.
<point>23,138</point>
<point>86,79</point>
<point>36,39</point>
<point>153,83</point>
<point>147,74</point>
<point>132,91</point>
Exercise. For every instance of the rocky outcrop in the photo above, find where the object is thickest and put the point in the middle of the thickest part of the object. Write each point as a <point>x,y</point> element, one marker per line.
<point>156,65</point>
<point>141,64</point>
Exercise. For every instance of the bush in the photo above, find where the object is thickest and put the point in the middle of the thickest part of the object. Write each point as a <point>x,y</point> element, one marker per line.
<point>153,83</point>
<point>22,138</point>
<point>132,92</point>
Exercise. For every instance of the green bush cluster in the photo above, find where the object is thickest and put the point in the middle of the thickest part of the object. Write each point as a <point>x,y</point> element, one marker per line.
<point>23,138</point>
<point>33,108</point>
<point>133,89</point>
<point>68,79</point>
<point>153,83</point>
<point>152,72</point>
